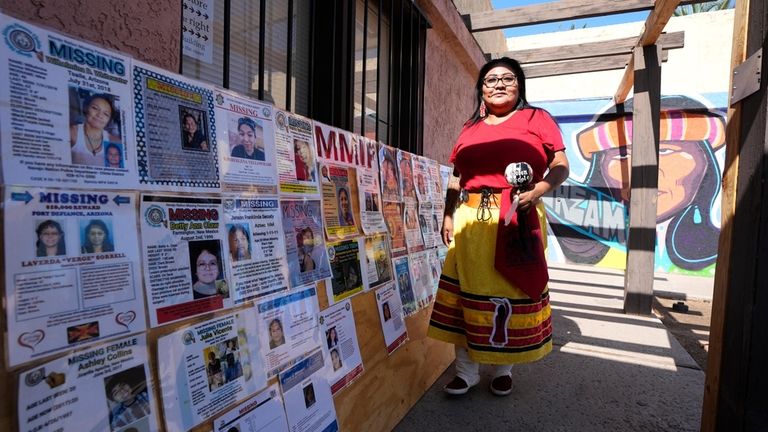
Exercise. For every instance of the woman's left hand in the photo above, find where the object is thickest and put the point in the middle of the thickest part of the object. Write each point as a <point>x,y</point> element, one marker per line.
<point>530,197</point>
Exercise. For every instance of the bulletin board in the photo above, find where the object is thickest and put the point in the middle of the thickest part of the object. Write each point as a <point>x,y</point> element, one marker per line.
<point>188,217</point>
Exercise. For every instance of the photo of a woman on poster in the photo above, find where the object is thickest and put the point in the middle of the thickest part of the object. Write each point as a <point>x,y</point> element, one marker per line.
<point>386,312</point>
<point>406,177</point>
<point>89,133</point>
<point>345,208</point>
<point>276,334</point>
<point>96,238</point>
<point>305,244</point>
<point>305,162</point>
<point>335,359</point>
<point>207,276</point>
<point>193,129</point>
<point>50,239</point>
<point>239,243</point>
<point>390,188</point>
<point>251,137</point>
<point>331,337</point>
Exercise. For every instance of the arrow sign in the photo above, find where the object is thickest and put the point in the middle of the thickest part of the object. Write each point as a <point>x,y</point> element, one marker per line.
<point>121,200</point>
<point>18,196</point>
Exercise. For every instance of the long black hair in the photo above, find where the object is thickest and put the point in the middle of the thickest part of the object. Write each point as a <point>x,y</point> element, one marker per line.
<point>511,64</point>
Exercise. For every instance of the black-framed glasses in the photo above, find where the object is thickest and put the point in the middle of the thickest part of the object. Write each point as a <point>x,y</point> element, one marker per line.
<point>492,80</point>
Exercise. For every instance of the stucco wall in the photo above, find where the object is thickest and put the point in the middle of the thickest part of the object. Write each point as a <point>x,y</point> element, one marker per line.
<point>148,30</point>
<point>453,58</point>
<point>448,99</point>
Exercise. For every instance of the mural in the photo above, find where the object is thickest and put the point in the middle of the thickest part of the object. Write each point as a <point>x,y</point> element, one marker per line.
<point>588,214</point>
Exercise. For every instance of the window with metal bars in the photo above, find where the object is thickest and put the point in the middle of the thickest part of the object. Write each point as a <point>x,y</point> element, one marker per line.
<point>353,64</point>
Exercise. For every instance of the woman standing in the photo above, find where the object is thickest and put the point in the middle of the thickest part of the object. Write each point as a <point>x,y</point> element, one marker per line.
<point>492,302</point>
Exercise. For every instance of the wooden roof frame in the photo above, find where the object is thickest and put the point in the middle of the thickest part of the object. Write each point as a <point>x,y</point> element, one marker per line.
<point>602,55</point>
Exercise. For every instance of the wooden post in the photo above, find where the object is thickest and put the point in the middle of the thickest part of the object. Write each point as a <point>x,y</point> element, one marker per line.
<point>735,396</point>
<point>728,210</point>
<point>644,181</point>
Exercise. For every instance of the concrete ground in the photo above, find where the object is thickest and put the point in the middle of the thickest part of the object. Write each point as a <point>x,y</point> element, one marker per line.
<point>608,371</point>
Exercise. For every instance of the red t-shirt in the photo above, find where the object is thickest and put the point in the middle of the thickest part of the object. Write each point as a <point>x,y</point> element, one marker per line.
<point>483,151</point>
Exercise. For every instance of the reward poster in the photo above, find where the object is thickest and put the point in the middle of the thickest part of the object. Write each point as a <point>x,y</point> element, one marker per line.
<point>66,111</point>
<point>72,269</point>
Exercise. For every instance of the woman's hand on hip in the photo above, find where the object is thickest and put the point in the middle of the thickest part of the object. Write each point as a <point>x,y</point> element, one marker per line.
<point>447,230</point>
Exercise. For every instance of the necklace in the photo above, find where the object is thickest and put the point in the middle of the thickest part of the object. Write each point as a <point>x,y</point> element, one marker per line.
<point>93,148</point>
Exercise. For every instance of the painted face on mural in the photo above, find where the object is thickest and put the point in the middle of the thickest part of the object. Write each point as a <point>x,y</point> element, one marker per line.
<point>682,166</point>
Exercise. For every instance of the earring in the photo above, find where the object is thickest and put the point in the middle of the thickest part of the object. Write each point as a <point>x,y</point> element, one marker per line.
<point>483,112</point>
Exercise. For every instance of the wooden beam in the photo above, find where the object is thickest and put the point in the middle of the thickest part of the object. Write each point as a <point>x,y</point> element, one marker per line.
<point>556,11</point>
<point>579,66</point>
<point>589,49</point>
<point>644,182</point>
<point>728,211</point>
<point>654,25</point>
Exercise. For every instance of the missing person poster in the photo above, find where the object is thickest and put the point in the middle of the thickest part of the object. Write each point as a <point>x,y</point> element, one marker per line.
<point>308,400</point>
<point>413,237</point>
<point>107,387</point>
<point>390,177</point>
<point>65,107</point>
<point>72,269</point>
<point>391,315</point>
<point>393,216</point>
<point>289,328</point>
<point>263,412</point>
<point>378,260</point>
<point>255,246</point>
<point>304,241</point>
<point>209,366</point>
<point>175,131</point>
<point>435,181</point>
<point>438,212</point>
<point>421,178</point>
<point>405,284</point>
<point>436,259</point>
<point>296,158</point>
<point>185,263</point>
<point>371,218</point>
<point>246,144</point>
<point>347,276</point>
<point>422,278</point>
<point>341,205</point>
<point>405,168</point>
<point>338,323</point>
<point>445,176</point>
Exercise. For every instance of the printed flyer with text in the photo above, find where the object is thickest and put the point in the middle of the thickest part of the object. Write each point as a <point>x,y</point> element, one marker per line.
<point>107,388</point>
<point>206,367</point>
<point>72,269</point>
<point>66,114</point>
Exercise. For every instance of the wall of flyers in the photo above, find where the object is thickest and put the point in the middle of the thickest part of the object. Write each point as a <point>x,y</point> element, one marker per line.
<point>170,247</point>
